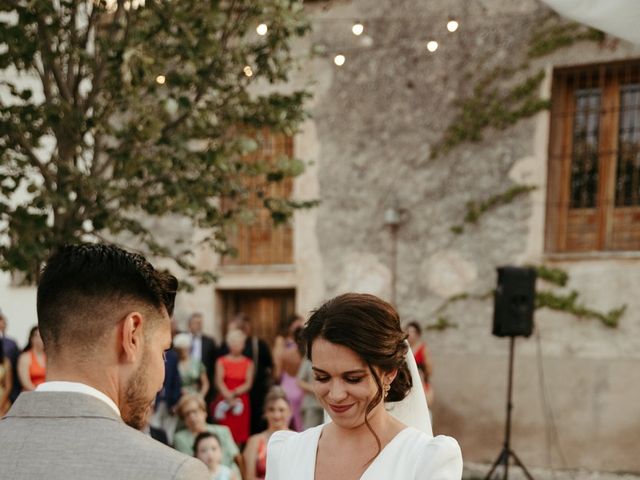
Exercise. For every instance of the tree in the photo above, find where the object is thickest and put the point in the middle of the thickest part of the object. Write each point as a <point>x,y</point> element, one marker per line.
<point>113,112</point>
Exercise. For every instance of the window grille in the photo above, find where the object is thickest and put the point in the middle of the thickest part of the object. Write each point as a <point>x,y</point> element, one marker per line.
<point>593,199</point>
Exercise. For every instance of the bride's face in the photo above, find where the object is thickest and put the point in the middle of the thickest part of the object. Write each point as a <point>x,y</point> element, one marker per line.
<point>343,383</point>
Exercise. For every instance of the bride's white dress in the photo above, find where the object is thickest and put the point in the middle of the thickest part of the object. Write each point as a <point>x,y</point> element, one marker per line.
<point>410,455</point>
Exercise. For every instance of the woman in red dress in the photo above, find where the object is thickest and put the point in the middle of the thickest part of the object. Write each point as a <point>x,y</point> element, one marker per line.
<point>423,360</point>
<point>32,362</point>
<point>234,377</point>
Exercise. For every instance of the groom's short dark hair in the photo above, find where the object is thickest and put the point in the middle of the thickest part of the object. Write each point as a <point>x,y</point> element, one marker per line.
<point>84,288</point>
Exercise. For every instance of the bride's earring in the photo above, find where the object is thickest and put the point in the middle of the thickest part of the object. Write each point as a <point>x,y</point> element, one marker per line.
<point>387,387</point>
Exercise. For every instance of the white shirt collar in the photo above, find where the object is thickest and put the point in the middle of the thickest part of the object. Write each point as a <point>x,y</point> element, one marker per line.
<point>76,387</point>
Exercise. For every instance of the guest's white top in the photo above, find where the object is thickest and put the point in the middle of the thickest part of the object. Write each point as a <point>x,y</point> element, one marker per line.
<point>410,455</point>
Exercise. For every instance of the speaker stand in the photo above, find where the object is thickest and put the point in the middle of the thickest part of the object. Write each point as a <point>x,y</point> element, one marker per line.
<point>507,452</point>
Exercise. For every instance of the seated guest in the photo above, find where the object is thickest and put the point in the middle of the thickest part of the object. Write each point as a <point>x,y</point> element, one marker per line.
<point>192,411</point>
<point>193,373</point>
<point>207,449</point>
<point>104,316</point>
<point>277,411</point>
<point>32,362</point>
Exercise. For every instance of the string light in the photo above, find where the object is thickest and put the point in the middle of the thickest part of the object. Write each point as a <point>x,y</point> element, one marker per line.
<point>432,46</point>
<point>339,60</point>
<point>160,79</point>
<point>452,26</point>
<point>262,29</point>
<point>248,71</point>
<point>357,29</point>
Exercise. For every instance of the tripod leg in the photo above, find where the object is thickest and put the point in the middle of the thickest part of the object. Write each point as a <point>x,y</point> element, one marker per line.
<point>504,456</point>
<point>505,475</point>
<point>520,464</point>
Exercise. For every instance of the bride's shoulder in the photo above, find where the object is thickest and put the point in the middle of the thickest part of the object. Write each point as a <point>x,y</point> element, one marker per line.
<point>286,439</point>
<point>436,454</point>
<point>286,445</point>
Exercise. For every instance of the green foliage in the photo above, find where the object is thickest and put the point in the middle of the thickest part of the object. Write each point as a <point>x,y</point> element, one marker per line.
<point>569,303</point>
<point>556,276</point>
<point>490,107</point>
<point>450,300</point>
<point>475,209</point>
<point>493,104</point>
<point>96,144</point>
<point>554,301</point>
<point>552,37</point>
<point>441,324</point>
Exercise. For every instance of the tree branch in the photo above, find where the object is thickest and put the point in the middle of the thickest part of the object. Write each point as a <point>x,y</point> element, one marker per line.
<point>73,41</point>
<point>48,60</point>
<point>101,58</point>
<point>45,81</point>
<point>84,43</point>
<point>33,160</point>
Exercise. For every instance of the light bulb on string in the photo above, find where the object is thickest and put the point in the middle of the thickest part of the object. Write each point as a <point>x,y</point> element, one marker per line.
<point>357,29</point>
<point>339,60</point>
<point>452,25</point>
<point>161,79</point>
<point>248,71</point>
<point>432,46</point>
<point>262,29</point>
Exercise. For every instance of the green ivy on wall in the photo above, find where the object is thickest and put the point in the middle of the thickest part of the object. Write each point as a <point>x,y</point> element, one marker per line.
<point>551,37</point>
<point>475,209</point>
<point>569,303</point>
<point>544,299</point>
<point>490,106</point>
<point>442,323</point>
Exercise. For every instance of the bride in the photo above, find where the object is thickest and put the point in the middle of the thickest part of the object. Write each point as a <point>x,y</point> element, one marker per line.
<point>364,377</point>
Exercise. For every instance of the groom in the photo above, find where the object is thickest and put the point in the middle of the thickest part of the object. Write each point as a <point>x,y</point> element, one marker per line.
<point>103,315</point>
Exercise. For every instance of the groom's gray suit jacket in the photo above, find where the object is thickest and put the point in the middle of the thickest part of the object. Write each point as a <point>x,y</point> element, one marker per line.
<point>73,436</point>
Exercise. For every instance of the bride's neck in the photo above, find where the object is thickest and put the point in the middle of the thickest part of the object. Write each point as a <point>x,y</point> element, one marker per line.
<point>380,422</point>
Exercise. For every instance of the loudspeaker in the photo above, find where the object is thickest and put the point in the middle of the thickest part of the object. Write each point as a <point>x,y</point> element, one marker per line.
<point>514,302</point>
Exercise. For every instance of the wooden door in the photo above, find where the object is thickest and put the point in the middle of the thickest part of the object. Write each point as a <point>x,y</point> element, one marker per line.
<point>267,309</point>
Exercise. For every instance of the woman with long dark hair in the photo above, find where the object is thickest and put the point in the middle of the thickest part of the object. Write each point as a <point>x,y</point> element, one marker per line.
<point>365,377</point>
<point>32,362</point>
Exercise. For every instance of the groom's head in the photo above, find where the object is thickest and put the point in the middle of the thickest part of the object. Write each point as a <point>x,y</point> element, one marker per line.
<point>103,309</point>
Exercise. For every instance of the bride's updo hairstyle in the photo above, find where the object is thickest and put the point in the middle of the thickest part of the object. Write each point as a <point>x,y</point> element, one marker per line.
<point>371,328</point>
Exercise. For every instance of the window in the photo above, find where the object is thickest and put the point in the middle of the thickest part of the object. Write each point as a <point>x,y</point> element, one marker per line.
<point>260,242</point>
<point>593,199</point>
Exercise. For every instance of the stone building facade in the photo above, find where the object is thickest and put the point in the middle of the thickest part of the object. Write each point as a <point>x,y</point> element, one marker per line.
<point>375,124</point>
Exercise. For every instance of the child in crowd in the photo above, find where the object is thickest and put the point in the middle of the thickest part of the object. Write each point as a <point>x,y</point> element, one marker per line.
<point>207,448</point>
